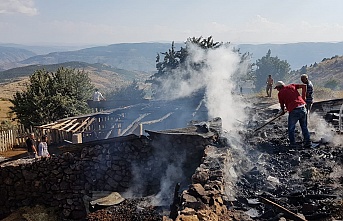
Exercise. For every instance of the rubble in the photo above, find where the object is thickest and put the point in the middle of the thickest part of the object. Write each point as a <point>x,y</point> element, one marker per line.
<point>269,181</point>
<point>257,178</point>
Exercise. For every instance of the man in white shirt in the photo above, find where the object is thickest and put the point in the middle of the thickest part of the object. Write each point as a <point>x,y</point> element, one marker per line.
<point>97,97</point>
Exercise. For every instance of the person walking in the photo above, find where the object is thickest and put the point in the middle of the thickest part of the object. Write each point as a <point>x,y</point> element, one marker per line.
<point>43,148</point>
<point>31,146</point>
<point>309,92</point>
<point>269,82</point>
<point>290,100</point>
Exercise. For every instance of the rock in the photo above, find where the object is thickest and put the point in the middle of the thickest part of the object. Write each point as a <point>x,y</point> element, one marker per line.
<point>109,200</point>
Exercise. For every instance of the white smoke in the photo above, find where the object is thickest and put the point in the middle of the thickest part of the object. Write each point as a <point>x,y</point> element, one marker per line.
<point>324,131</point>
<point>220,70</point>
<point>173,172</point>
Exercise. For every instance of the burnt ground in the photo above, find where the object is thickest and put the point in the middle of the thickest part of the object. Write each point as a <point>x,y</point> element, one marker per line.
<point>279,181</point>
<point>273,181</point>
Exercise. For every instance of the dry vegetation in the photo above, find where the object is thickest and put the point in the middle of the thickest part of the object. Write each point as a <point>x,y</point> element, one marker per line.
<point>6,92</point>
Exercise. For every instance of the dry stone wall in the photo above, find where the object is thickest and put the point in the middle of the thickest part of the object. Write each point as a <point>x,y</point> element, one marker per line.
<point>115,165</point>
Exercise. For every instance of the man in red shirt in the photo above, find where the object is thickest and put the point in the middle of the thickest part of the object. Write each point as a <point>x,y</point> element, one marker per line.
<point>290,98</point>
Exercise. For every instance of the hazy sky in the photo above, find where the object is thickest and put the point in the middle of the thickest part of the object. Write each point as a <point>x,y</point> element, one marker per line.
<point>102,22</point>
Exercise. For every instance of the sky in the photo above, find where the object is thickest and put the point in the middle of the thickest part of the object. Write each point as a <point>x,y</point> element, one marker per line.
<point>103,22</point>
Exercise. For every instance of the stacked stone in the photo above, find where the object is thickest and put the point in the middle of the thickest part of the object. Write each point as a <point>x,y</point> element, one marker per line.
<point>204,198</point>
<point>109,165</point>
<point>64,180</point>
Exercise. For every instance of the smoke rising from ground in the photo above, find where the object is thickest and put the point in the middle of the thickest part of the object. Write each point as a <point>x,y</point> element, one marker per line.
<point>323,131</point>
<point>220,69</point>
<point>218,75</point>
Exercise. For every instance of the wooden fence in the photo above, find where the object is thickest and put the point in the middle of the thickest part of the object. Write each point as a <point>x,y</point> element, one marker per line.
<point>15,137</point>
<point>7,140</point>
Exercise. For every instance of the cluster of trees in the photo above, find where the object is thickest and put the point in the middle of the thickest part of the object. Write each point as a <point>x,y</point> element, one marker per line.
<point>50,96</point>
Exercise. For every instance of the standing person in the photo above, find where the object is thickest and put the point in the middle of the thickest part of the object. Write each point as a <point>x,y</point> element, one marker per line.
<point>290,98</point>
<point>43,148</point>
<point>97,97</point>
<point>269,82</point>
<point>309,92</point>
<point>31,145</point>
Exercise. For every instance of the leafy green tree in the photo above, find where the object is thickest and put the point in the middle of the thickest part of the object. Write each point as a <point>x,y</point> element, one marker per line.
<point>268,65</point>
<point>51,96</point>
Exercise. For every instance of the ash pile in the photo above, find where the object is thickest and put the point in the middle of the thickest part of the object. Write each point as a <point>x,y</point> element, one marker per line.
<point>276,181</point>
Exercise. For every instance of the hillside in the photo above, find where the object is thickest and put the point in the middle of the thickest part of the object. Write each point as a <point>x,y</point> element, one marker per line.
<point>327,73</point>
<point>10,55</point>
<point>296,54</point>
<point>142,56</point>
<point>133,56</point>
<point>102,76</point>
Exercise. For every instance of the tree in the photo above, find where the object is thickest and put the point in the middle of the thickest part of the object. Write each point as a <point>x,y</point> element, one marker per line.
<point>178,60</point>
<point>270,65</point>
<point>51,96</point>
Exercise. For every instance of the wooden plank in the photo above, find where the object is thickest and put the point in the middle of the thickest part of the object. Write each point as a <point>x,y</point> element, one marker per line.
<point>158,120</point>
<point>133,123</point>
<point>59,124</point>
<point>88,124</point>
<point>72,127</point>
<point>47,125</point>
<point>81,125</point>
<point>290,214</point>
<point>68,124</point>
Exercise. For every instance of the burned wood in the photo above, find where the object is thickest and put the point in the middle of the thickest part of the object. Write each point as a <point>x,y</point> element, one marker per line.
<point>174,207</point>
<point>313,196</point>
<point>288,212</point>
<point>268,122</point>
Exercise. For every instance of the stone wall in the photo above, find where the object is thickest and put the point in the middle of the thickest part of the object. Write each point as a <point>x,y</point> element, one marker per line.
<point>116,165</point>
<point>204,199</point>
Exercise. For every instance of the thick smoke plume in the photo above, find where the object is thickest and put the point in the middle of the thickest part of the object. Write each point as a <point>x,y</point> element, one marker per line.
<point>220,69</point>
<point>218,75</point>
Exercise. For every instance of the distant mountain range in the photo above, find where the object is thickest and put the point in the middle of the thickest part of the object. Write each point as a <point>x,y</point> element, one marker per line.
<point>138,60</point>
<point>142,56</point>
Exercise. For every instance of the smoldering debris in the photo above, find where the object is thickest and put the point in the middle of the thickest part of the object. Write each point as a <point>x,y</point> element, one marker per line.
<point>270,181</point>
<point>305,181</point>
